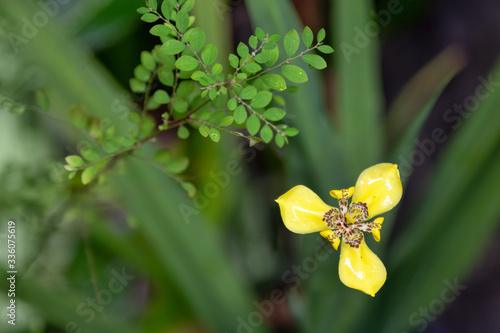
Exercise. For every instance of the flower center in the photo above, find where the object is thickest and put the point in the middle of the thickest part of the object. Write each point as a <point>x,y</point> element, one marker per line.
<point>348,222</point>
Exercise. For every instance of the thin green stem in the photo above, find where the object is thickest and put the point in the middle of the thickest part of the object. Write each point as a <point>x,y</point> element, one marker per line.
<point>286,61</point>
<point>204,122</point>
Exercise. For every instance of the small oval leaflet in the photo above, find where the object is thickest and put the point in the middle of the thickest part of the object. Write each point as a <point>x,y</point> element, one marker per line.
<point>173,46</point>
<point>88,174</point>
<point>262,99</point>
<point>186,63</point>
<point>183,132</point>
<point>307,37</point>
<point>204,130</point>
<point>196,38</point>
<point>315,61</point>
<point>240,115</point>
<point>214,134</point>
<point>274,114</point>
<point>90,154</point>
<point>253,124</point>
<point>249,92</point>
<point>209,54</point>
<point>177,165</point>
<point>294,73</point>
<point>266,133</point>
<point>274,81</point>
<point>291,42</point>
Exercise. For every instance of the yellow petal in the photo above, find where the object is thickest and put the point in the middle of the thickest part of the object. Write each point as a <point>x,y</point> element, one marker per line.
<point>337,194</point>
<point>302,210</point>
<point>360,268</point>
<point>376,229</point>
<point>379,187</point>
<point>330,236</point>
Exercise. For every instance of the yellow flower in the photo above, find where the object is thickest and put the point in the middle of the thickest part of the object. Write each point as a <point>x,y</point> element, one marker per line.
<point>377,190</point>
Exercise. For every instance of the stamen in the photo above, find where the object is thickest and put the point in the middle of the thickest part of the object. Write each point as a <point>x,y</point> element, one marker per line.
<point>343,196</point>
<point>353,237</point>
<point>358,212</point>
<point>366,227</point>
<point>332,218</point>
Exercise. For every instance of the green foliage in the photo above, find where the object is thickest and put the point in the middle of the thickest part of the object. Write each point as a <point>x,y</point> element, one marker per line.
<point>198,93</point>
<point>198,104</point>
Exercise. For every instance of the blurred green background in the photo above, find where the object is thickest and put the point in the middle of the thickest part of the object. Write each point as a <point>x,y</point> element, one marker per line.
<point>413,83</point>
